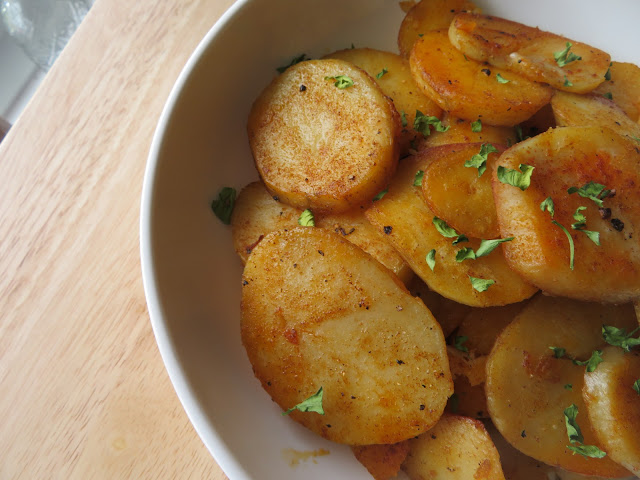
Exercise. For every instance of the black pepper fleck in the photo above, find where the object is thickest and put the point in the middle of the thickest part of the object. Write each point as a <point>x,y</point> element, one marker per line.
<point>399,362</point>
<point>605,213</point>
<point>523,434</point>
<point>321,252</point>
<point>421,407</point>
<point>276,198</point>
<point>388,229</point>
<point>303,88</point>
<point>486,71</point>
<point>244,282</point>
<point>617,224</point>
<point>433,436</point>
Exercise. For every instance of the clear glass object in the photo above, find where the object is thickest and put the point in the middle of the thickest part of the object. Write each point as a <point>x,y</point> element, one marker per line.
<point>43,27</point>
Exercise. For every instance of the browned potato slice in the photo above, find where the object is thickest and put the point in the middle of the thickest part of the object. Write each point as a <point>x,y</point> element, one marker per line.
<point>464,365</point>
<point>529,52</point>
<point>426,16</point>
<point>382,461</point>
<point>448,313</point>
<point>397,83</point>
<point>528,388</point>
<point>468,400</point>
<point>623,86</point>
<point>319,312</point>
<point>482,326</point>
<point>614,406</point>
<point>460,131</point>
<point>319,146</point>
<point>564,158</point>
<point>409,221</point>
<point>457,194</point>
<point>257,213</point>
<point>354,226</point>
<point>470,90</point>
<point>456,448</point>
<point>571,109</point>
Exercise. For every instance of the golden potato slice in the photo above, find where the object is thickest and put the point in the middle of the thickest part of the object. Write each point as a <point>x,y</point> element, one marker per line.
<point>457,193</point>
<point>257,213</point>
<point>393,74</point>
<point>614,406</point>
<point>469,89</point>
<point>462,364</point>
<point>467,400</point>
<point>319,142</point>
<point>461,131</point>
<point>537,55</point>
<point>571,109</point>
<point>565,158</point>
<point>623,86</point>
<point>426,16</point>
<point>456,448</point>
<point>449,314</point>
<point>382,461</point>
<point>412,232</point>
<point>319,312</point>
<point>528,388</point>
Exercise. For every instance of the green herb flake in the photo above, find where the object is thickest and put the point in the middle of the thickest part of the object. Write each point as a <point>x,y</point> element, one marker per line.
<point>520,179</point>
<point>223,205</point>
<point>501,79</point>
<point>293,61</point>
<point>571,246</point>
<point>593,236</point>
<point>480,284</point>
<point>382,73</point>
<point>423,122</point>
<point>593,191</point>
<point>403,118</point>
<point>548,205</point>
<point>573,429</point>
<point>465,254</point>
<point>306,219</point>
<point>458,343</point>
<point>431,259</point>
<point>488,246</point>
<point>565,56</point>
<point>417,180</point>
<point>341,81</point>
<point>380,195</point>
<point>445,230</point>
<point>618,337</point>
<point>568,386</point>
<point>608,95</point>
<point>479,160</point>
<point>607,76</point>
<point>581,220</point>
<point>567,83</point>
<point>590,451</point>
<point>476,126</point>
<point>454,402</point>
<point>311,404</point>
<point>558,352</point>
<point>593,361</point>
<point>636,386</point>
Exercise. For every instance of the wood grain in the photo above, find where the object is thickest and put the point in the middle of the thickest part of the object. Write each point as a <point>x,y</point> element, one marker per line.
<point>83,391</point>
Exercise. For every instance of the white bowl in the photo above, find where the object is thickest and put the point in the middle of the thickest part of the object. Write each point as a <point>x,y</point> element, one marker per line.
<point>191,273</point>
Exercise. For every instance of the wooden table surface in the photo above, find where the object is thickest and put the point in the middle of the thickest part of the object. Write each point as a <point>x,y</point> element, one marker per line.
<point>83,390</point>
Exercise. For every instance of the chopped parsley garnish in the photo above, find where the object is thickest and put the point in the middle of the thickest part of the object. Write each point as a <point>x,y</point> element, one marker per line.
<point>608,95</point>
<point>380,195</point>
<point>618,337</point>
<point>479,160</point>
<point>567,83</point>
<point>520,179</point>
<point>341,81</point>
<point>458,343</point>
<point>431,259</point>
<point>465,253</point>
<point>417,180</point>
<point>446,231</point>
<point>306,219</point>
<point>592,363</point>
<point>488,246</point>
<point>403,118</point>
<point>223,205</point>
<point>581,224</point>
<point>311,404</point>
<point>590,451</point>
<point>568,386</point>
<point>422,123</point>
<point>571,246</point>
<point>381,73</point>
<point>558,352</point>
<point>593,191</point>
<point>293,61</point>
<point>501,79</point>
<point>636,386</point>
<point>519,135</point>
<point>548,205</point>
<point>607,76</point>
<point>476,126</point>
<point>575,435</point>
<point>480,284</point>
<point>565,56</point>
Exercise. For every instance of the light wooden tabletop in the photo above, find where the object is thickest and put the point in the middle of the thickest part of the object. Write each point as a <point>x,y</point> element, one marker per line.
<point>83,390</point>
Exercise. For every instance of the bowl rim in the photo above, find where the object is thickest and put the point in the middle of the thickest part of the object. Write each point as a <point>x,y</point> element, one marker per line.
<point>214,444</point>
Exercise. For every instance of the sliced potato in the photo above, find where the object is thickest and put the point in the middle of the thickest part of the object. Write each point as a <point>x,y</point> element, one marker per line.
<point>529,52</point>
<point>462,364</point>
<point>564,158</point>
<point>571,109</point>
<point>307,146</point>
<point>469,89</point>
<point>614,406</point>
<point>383,462</point>
<point>467,400</point>
<point>623,86</point>
<point>319,312</point>
<point>457,193</point>
<point>456,448</point>
<point>528,388</point>
<point>393,74</point>
<point>460,131</point>
<point>426,16</point>
<point>413,234</point>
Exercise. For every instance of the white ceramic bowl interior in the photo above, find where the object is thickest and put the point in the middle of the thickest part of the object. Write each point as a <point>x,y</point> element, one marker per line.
<point>191,273</point>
